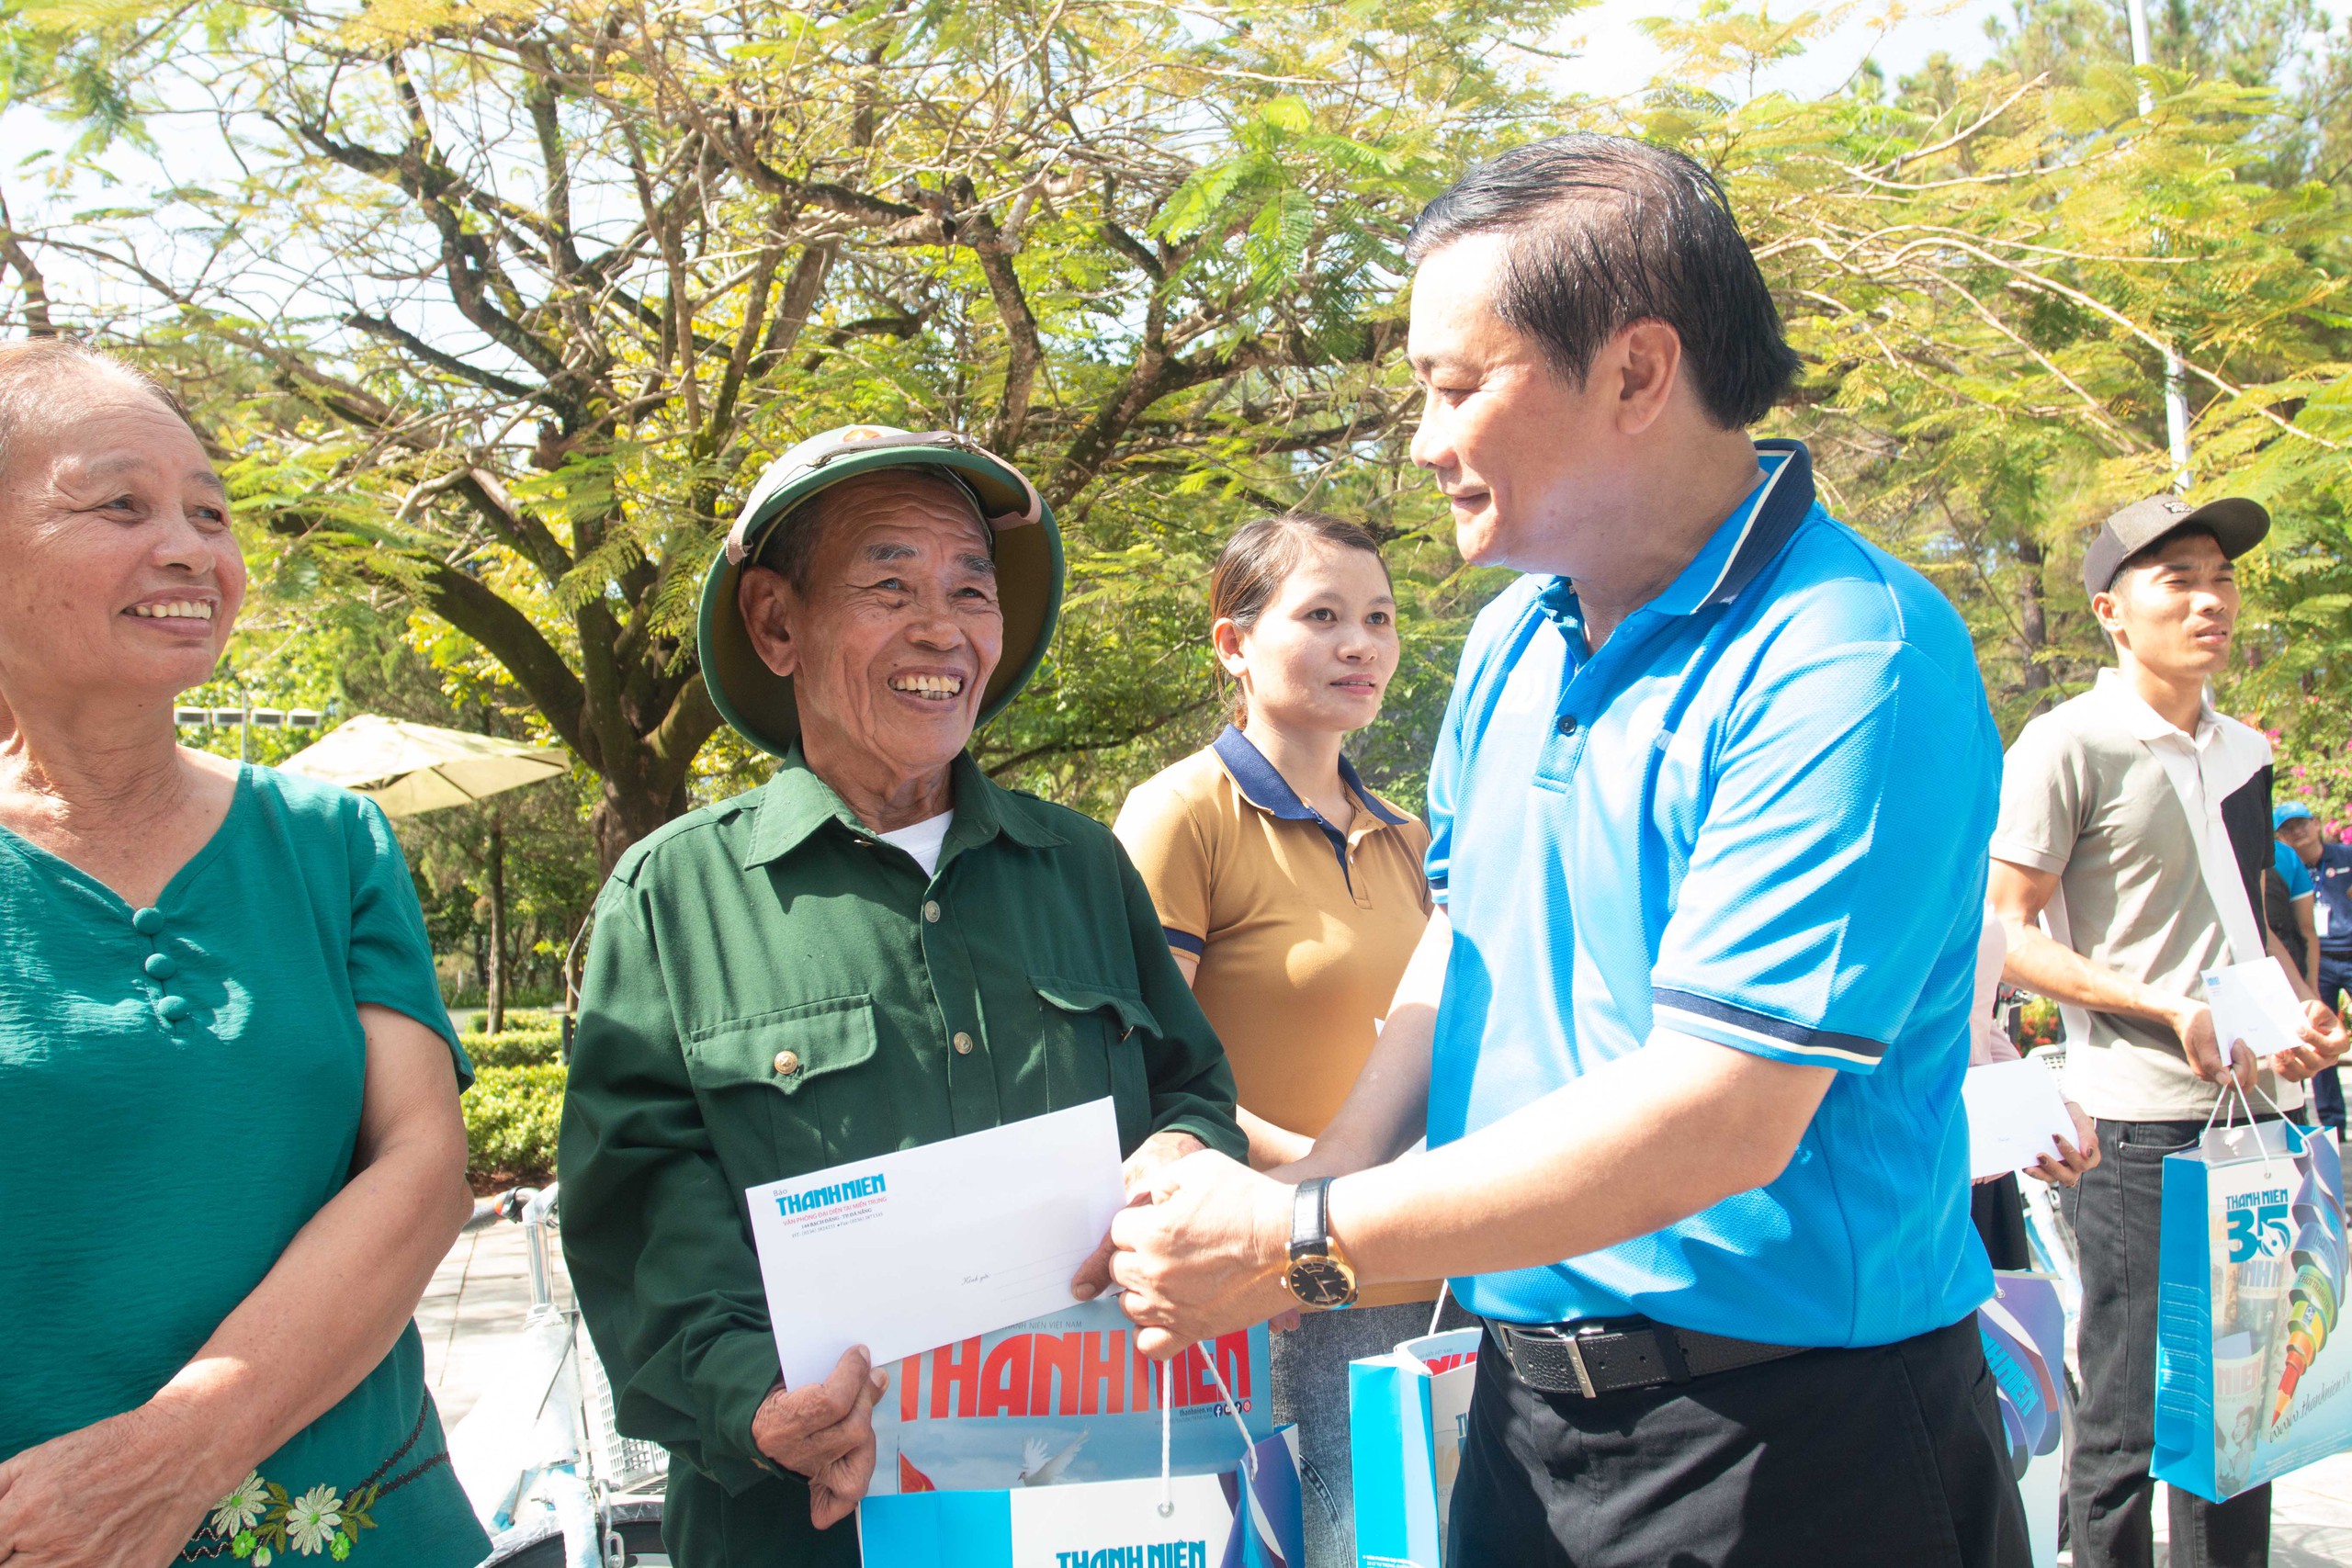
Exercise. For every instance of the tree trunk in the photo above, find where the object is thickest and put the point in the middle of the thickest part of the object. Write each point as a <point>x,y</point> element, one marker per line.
<point>629,810</point>
<point>494,991</point>
<point>2034,626</point>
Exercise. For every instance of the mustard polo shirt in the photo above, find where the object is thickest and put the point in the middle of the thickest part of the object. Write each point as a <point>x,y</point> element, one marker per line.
<point>1302,930</point>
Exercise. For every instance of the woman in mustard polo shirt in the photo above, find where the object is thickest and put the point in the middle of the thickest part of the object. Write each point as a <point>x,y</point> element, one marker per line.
<point>1293,898</point>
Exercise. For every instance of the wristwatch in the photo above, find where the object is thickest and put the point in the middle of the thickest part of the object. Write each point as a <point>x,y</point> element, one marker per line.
<point>1317,1275</point>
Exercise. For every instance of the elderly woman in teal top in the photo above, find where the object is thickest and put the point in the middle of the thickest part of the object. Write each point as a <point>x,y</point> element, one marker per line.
<point>229,1146</point>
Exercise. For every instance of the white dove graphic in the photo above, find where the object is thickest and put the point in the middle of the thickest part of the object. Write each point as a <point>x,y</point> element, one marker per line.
<point>1037,1469</point>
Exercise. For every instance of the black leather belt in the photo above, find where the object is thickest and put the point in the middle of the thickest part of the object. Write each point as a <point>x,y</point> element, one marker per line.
<point>1594,1358</point>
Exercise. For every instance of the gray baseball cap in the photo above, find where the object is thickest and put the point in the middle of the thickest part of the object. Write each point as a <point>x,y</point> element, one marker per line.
<point>2236,523</point>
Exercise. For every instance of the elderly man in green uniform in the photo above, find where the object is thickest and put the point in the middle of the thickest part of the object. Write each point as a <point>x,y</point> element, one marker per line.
<point>878,948</point>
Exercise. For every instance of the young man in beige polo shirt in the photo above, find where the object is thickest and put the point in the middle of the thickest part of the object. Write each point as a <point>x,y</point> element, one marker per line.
<point>2136,822</point>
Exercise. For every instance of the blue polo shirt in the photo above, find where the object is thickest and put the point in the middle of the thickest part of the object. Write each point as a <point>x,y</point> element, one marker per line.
<point>1759,816</point>
<point>2291,870</point>
<point>2332,905</point>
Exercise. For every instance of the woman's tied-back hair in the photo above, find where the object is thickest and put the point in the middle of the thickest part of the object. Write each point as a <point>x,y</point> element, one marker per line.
<point>1602,231</point>
<point>37,376</point>
<point>1257,560</point>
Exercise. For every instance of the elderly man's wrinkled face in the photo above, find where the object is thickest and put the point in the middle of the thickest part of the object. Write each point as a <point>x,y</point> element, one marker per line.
<point>122,573</point>
<point>891,648</point>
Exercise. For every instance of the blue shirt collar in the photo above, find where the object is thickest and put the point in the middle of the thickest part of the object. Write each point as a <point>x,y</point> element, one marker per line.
<point>1738,548</point>
<point>1267,789</point>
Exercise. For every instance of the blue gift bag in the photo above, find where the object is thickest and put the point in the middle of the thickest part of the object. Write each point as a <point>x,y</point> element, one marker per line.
<point>2254,1379</point>
<point>1240,1511</point>
<point>1404,1416</point>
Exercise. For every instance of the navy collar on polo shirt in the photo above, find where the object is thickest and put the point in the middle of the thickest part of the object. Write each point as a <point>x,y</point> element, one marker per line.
<point>1263,786</point>
<point>1738,548</point>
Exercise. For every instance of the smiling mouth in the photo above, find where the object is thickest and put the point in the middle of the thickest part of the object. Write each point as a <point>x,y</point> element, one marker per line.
<point>929,688</point>
<point>176,610</point>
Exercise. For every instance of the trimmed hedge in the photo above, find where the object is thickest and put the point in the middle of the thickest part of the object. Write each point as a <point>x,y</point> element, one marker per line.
<point>528,1044</point>
<point>511,1116</point>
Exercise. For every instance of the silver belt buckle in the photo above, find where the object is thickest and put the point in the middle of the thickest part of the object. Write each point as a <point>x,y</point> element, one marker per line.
<point>1567,1340</point>
<point>1576,1359</point>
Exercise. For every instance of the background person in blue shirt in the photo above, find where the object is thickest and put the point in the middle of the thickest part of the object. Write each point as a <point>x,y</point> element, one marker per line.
<point>2323,901</point>
<point>1709,820</point>
<point>2287,895</point>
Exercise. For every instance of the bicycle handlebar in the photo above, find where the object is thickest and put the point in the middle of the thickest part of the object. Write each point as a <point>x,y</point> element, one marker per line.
<point>524,1205</point>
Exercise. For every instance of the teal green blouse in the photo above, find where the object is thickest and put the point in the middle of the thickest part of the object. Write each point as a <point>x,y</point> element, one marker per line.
<point>179,1093</point>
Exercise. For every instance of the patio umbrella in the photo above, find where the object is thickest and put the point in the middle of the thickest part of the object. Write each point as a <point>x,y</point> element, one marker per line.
<point>408,768</point>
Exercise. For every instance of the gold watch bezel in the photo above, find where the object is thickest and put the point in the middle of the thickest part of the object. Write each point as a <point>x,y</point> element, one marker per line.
<point>1313,1263</point>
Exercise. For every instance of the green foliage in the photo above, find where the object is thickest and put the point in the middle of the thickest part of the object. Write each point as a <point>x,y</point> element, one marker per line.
<point>527,1040</point>
<point>512,1118</point>
<point>1153,257</point>
<point>1149,254</point>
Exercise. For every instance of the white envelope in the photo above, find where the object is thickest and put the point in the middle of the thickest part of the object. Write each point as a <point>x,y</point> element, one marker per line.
<point>2014,1109</point>
<point>930,1246</point>
<point>2253,1002</point>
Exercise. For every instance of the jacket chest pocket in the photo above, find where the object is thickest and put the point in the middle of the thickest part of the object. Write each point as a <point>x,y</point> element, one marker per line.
<point>777,1089</point>
<point>1093,1036</point>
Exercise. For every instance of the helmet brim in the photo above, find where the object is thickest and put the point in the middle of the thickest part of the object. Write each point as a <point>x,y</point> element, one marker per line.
<point>758,703</point>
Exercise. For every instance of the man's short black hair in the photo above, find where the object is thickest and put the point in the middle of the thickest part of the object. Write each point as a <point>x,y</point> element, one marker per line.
<point>1605,231</point>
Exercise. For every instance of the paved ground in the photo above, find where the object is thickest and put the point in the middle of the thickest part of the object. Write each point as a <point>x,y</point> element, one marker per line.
<point>2311,1519</point>
<point>483,1287</point>
<point>478,1296</point>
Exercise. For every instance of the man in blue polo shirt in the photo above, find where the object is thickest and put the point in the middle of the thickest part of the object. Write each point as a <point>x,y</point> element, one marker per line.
<point>1709,819</point>
<point>2324,899</point>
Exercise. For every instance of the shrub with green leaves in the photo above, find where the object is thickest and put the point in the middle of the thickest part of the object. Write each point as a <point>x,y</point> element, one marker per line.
<point>530,1044</point>
<point>511,1116</point>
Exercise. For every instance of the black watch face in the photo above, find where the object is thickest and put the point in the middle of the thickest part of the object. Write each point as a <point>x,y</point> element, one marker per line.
<point>1321,1282</point>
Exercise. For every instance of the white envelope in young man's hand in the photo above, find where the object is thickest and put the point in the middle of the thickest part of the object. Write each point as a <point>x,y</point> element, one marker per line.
<point>2256,1003</point>
<point>932,1245</point>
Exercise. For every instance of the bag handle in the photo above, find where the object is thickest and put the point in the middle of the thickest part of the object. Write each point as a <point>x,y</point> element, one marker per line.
<point>2232,1087</point>
<point>1167,1437</point>
<point>1438,1312</point>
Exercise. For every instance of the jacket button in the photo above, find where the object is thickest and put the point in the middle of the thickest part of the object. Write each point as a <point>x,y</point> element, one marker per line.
<point>788,1063</point>
<point>1566,724</point>
<point>931,910</point>
<point>963,1044</point>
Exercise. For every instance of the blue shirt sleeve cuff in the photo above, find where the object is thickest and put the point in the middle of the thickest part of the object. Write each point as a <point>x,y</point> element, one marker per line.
<point>1744,1029</point>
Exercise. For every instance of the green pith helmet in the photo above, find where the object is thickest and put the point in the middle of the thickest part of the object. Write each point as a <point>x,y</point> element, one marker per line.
<point>1028,550</point>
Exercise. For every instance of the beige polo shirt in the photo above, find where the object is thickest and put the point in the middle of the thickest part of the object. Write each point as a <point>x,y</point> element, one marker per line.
<point>1302,932</point>
<point>2158,838</point>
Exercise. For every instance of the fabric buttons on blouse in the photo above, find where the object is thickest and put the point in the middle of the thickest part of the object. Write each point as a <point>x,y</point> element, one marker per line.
<point>148,921</point>
<point>159,966</point>
<point>174,1008</point>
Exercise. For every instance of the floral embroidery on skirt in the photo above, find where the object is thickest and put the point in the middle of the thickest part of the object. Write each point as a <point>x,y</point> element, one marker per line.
<point>259,1520</point>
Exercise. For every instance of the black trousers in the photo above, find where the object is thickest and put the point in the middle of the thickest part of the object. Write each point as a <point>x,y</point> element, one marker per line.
<point>1998,1209</point>
<point>1883,1458</point>
<point>2328,1089</point>
<point>2110,1507</point>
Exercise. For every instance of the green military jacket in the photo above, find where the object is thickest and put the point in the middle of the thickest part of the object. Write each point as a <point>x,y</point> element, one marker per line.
<point>770,990</point>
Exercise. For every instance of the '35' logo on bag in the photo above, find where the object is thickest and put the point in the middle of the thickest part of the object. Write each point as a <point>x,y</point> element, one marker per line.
<point>2259,1230</point>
